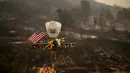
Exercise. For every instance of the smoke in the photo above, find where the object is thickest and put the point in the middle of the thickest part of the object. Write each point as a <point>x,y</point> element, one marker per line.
<point>74,2</point>
<point>123,3</point>
<point>31,3</point>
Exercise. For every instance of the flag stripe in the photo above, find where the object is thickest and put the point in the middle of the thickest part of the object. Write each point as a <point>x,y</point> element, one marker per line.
<point>36,37</point>
<point>32,38</point>
<point>39,36</point>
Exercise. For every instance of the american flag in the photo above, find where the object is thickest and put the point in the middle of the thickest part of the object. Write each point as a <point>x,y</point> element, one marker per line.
<point>34,38</point>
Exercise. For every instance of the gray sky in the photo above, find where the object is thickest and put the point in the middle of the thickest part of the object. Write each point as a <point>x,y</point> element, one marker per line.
<point>124,3</point>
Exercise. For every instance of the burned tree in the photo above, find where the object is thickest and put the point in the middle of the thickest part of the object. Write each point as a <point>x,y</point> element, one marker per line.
<point>102,19</point>
<point>123,16</point>
<point>95,21</point>
<point>65,18</point>
<point>85,9</point>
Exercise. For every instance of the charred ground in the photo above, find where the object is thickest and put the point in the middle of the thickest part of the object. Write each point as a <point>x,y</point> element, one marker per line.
<point>109,50</point>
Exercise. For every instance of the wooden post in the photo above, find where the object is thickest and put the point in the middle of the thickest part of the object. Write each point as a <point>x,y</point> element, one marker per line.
<point>53,55</point>
<point>97,68</point>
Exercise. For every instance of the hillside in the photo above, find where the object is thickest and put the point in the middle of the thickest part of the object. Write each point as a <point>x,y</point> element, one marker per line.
<point>108,48</point>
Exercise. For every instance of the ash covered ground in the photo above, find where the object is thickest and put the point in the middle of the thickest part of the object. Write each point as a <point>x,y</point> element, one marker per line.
<point>102,47</point>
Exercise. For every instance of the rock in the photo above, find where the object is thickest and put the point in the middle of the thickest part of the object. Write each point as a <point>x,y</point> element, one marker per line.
<point>33,68</point>
<point>114,69</point>
<point>62,71</point>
